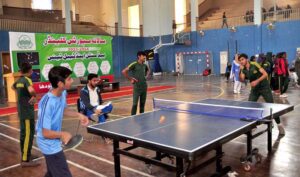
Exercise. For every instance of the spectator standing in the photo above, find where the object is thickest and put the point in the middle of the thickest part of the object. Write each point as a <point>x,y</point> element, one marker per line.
<point>224,20</point>
<point>297,68</point>
<point>228,70</point>
<point>234,74</point>
<point>288,11</point>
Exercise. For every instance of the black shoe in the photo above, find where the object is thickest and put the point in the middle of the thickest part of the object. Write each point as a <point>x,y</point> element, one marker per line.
<point>30,164</point>
<point>33,156</point>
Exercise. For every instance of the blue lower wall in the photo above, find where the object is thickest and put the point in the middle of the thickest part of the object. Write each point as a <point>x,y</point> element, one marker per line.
<point>124,51</point>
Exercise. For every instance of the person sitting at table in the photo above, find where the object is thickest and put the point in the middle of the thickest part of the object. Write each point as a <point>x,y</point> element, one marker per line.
<point>91,100</point>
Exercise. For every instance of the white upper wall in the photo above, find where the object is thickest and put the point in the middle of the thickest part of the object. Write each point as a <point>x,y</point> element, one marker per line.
<point>17,3</point>
<point>108,12</point>
<point>157,17</point>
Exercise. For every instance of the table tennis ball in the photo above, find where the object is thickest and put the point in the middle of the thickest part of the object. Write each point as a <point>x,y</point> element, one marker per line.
<point>162,119</point>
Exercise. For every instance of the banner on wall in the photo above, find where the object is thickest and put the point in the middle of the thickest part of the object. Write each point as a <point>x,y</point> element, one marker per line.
<point>83,54</point>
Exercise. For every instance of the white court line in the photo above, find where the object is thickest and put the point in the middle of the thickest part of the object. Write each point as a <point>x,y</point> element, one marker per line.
<point>4,125</point>
<point>116,115</point>
<point>122,100</point>
<point>84,153</point>
<point>208,104</point>
<point>34,147</point>
<point>85,169</point>
<point>112,163</point>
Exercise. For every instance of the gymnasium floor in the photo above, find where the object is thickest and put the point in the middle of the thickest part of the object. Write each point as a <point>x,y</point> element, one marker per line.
<point>94,158</point>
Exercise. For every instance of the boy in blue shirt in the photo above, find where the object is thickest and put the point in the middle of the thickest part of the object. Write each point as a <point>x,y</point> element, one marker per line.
<point>52,109</point>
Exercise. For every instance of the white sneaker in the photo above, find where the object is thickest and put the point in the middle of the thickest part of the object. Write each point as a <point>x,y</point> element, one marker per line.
<point>283,95</point>
<point>281,130</point>
<point>232,174</point>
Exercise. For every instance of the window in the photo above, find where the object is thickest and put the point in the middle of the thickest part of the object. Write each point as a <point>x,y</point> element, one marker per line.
<point>180,12</point>
<point>134,20</point>
<point>41,4</point>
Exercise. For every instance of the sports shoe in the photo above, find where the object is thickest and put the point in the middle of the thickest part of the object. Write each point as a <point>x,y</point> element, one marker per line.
<point>281,130</point>
<point>283,95</point>
<point>30,164</point>
<point>33,156</point>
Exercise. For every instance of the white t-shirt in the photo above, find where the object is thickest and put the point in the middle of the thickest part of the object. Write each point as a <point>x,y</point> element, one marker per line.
<point>94,98</point>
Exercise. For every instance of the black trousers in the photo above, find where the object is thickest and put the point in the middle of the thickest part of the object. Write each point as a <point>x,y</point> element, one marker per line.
<point>266,94</point>
<point>57,165</point>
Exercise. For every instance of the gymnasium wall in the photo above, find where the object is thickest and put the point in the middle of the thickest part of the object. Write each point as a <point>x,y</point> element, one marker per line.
<point>157,17</point>
<point>250,40</point>
<point>124,51</point>
<point>17,3</point>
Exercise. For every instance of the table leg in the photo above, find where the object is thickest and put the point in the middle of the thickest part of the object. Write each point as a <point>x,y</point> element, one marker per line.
<point>219,154</point>
<point>179,166</point>
<point>270,137</point>
<point>158,155</point>
<point>117,158</point>
<point>249,142</point>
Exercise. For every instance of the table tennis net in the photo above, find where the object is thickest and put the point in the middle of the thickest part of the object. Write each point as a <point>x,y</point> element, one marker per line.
<point>209,109</point>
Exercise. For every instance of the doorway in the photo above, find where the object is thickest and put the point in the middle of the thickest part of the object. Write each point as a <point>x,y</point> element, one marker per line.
<point>5,68</point>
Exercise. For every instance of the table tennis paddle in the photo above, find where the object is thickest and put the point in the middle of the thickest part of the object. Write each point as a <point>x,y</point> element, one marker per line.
<point>74,142</point>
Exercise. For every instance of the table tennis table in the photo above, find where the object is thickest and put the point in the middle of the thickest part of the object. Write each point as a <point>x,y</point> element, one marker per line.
<point>186,130</point>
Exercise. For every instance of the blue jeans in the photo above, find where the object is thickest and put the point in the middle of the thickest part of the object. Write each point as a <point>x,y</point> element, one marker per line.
<point>101,117</point>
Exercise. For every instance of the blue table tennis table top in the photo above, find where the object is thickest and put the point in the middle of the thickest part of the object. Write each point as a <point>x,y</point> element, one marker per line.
<point>183,131</point>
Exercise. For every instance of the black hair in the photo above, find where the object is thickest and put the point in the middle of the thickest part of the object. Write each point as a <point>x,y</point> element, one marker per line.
<point>139,53</point>
<point>243,55</point>
<point>25,67</point>
<point>58,73</point>
<point>91,76</point>
<point>261,58</point>
<point>252,58</point>
<point>283,54</point>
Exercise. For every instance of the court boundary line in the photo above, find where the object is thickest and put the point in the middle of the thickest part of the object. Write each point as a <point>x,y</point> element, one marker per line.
<point>208,104</point>
<point>36,148</point>
<point>90,155</point>
<point>111,162</point>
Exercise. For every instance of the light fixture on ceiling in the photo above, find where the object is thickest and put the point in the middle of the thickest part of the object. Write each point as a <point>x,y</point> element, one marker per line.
<point>271,26</point>
<point>201,32</point>
<point>232,29</point>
